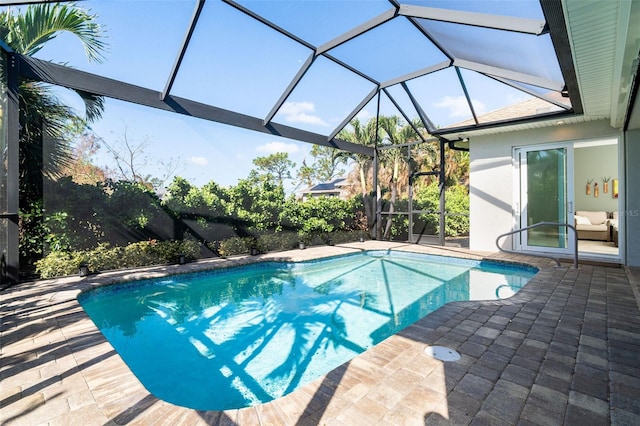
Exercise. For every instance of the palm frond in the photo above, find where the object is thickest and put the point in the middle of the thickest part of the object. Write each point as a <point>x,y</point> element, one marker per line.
<point>94,105</point>
<point>30,31</point>
<point>41,110</point>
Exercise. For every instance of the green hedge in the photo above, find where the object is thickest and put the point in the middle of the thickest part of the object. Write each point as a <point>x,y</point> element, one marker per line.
<point>236,245</point>
<point>104,257</point>
<point>282,241</point>
<point>148,253</point>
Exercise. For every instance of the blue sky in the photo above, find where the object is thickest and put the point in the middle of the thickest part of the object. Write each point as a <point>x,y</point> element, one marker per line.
<point>208,151</point>
<point>234,62</point>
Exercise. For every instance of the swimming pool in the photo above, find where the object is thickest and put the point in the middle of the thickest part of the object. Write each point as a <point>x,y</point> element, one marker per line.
<point>235,337</point>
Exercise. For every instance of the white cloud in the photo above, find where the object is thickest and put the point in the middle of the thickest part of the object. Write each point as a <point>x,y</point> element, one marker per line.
<point>364,115</point>
<point>301,112</point>
<point>199,161</point>
<point>275,146</point>
<point>458,106</point>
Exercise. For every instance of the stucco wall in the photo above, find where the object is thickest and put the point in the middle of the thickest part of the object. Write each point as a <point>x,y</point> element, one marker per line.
<point>631,209</point>
<point>491,177</point>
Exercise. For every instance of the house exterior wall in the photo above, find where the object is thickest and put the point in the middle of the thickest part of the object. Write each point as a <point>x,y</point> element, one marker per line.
<point>632,199</point>
<point>492,175</point>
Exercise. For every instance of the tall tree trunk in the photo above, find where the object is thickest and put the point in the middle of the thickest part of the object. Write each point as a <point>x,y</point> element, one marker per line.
<point>378,208</point>
<point>394,196</point>
<point>367,201</point>
<point>392,209</point>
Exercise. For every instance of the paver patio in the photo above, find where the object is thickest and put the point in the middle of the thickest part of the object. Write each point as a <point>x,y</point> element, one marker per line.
<point>564,350</point>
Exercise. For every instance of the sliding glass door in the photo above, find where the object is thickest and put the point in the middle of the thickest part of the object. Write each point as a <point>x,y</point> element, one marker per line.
<point>545,195</point>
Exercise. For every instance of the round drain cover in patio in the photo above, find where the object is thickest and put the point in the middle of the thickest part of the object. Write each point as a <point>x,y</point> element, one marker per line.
<point>442,353</point>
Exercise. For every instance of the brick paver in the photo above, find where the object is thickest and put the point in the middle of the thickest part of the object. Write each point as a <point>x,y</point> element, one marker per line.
<point>564,350</point>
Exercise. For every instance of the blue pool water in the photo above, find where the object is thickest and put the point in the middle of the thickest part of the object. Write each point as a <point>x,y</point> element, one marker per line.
<point>241,336</point>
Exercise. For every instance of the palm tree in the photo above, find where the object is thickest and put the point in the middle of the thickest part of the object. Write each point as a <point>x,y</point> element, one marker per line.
<point>457,168</point>
<point>363,135</point>
<point>394,160</point>
<point>44,120</point>
<point>27,33</point>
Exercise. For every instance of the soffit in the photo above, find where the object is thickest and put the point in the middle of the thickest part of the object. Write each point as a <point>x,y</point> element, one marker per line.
<point>592,34</point>
<point>604,38</point>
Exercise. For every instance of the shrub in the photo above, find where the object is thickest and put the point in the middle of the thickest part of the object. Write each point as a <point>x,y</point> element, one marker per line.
<point>342,237</point>
<point>457,209</point>
<point>152,252</point>
<point>235,245</point>
<point>139,254</point>
<point>278,241</point>
<point>317,226</point>
<point>457,204</point>
<point>103,257</point>
<point>56,264</point>
<point>318,233</point>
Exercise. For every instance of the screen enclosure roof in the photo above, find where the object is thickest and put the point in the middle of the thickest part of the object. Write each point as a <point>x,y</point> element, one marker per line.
<point>306,69</point>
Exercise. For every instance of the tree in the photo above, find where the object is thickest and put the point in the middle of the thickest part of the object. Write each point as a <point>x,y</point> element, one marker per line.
<point>306,175</point>
<point>457,168</point>
<point>132,163</point>
<point>394,171</point>
<point>363,135</point>
<point>257,201</point>
<point>81,168</point>
<point>40,110</point>
<point>177,193</point>
<point>43,148</point>
<point>326,166</point>
<point>276,167</point>
<point>394,160</point>
<point>183,198</point>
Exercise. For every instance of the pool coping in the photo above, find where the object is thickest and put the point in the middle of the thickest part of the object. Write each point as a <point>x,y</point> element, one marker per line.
<point>99,388</point>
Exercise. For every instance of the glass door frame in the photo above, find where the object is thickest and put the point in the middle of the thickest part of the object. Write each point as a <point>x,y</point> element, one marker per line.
<point>520,211</point>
